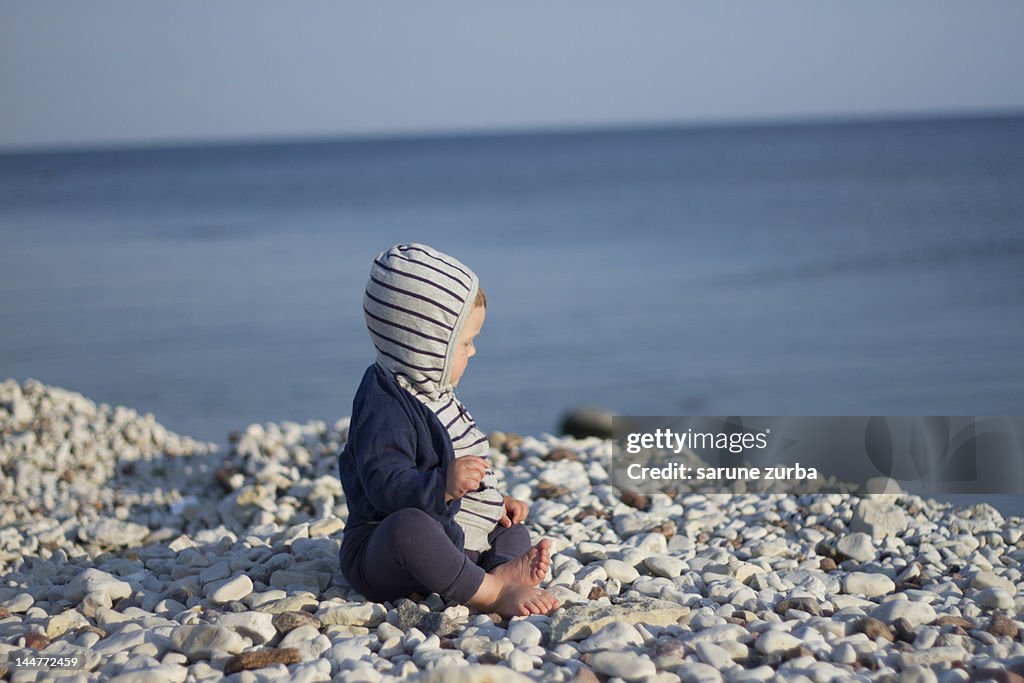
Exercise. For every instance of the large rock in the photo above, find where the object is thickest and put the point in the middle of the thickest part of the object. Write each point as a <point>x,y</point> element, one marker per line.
<point>714,655</point>
<point>987,579</point>
<point>227,590</point>
<point>94,582</point>
<point>857,546</point>
<point>879,518</point>
<point>65,621</point>
<point>587,421</point>
<point>113,533</point>
<point>614,636</point>
<point>625,665</point>
<point>666,566</point>
<point>617,569</point>
<point>996,598</point>
<point>581,621</point>
<point>916,613</point>
<point>257,626</point>
<point>202,641</point>
<point>776,642</point>
<point>367,614</point>
<point>524,633</point>
<point>870,585</point>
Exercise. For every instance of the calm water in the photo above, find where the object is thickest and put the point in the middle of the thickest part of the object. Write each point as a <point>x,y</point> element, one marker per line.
<point>833,269</point>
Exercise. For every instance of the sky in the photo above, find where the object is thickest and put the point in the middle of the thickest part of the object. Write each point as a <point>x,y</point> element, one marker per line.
<point>112,72</point>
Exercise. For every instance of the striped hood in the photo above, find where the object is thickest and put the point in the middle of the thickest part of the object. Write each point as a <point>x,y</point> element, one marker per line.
<point>416,303</point>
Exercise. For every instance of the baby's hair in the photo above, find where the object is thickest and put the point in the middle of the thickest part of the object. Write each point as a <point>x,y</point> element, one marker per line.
<point>481,298</point>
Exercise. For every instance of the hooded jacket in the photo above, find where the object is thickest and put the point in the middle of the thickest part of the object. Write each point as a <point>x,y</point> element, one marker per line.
<point>397,456</point>
<point>407,424</point>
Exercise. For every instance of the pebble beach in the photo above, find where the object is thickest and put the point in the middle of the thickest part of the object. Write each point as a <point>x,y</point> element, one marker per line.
<point>143,555</point>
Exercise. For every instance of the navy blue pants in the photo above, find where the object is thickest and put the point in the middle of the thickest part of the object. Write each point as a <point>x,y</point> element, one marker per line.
<point>409,553</point>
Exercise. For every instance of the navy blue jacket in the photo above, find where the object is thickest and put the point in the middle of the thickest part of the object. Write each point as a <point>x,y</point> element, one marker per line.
<point>397,456</point>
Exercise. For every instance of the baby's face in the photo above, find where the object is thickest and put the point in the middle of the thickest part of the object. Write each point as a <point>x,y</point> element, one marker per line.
<point>464,349</point>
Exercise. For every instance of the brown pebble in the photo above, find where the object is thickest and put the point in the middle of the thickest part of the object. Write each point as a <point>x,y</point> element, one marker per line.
<point>289,621</point>
<point>587,658</point>
<point>875,628</point>
<point>257,659</point>
<point>666,529</point>
<point>997,675</point>
<point>511,446</point>
<point>953,620</point>
<point>670,648</point>
<point>591,511</point>
<point>489,658</point>
<point>902,629</point>
<point>827,564</point>
<point>585,675</point>
<point>557,454</point>
<point>36,641</point>
<point>224,474</point>
<point>596,593</point>
<point>4,613</point>
<point>827,550</point>
<point>1002,626</point>
<point>808,605</point>
<point>798,651</point>
<point>636,499</point>
<point>91,629</point>
<point>548,490</point>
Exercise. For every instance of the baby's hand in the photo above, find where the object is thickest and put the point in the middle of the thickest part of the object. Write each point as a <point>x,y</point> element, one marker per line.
<point>515,511</point>
<point>464,476</point>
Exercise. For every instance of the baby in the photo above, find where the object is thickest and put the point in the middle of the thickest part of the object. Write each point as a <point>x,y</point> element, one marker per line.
<point>424,513</point>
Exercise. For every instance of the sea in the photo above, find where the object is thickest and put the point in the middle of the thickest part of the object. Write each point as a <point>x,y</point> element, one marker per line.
<point>833,268</point>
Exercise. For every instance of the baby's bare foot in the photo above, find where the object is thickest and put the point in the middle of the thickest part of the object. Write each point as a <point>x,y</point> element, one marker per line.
<point>516,600</point>
<point>528,569</point>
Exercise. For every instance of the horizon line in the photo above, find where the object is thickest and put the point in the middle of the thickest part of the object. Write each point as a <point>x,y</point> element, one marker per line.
<point>469,133</point>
